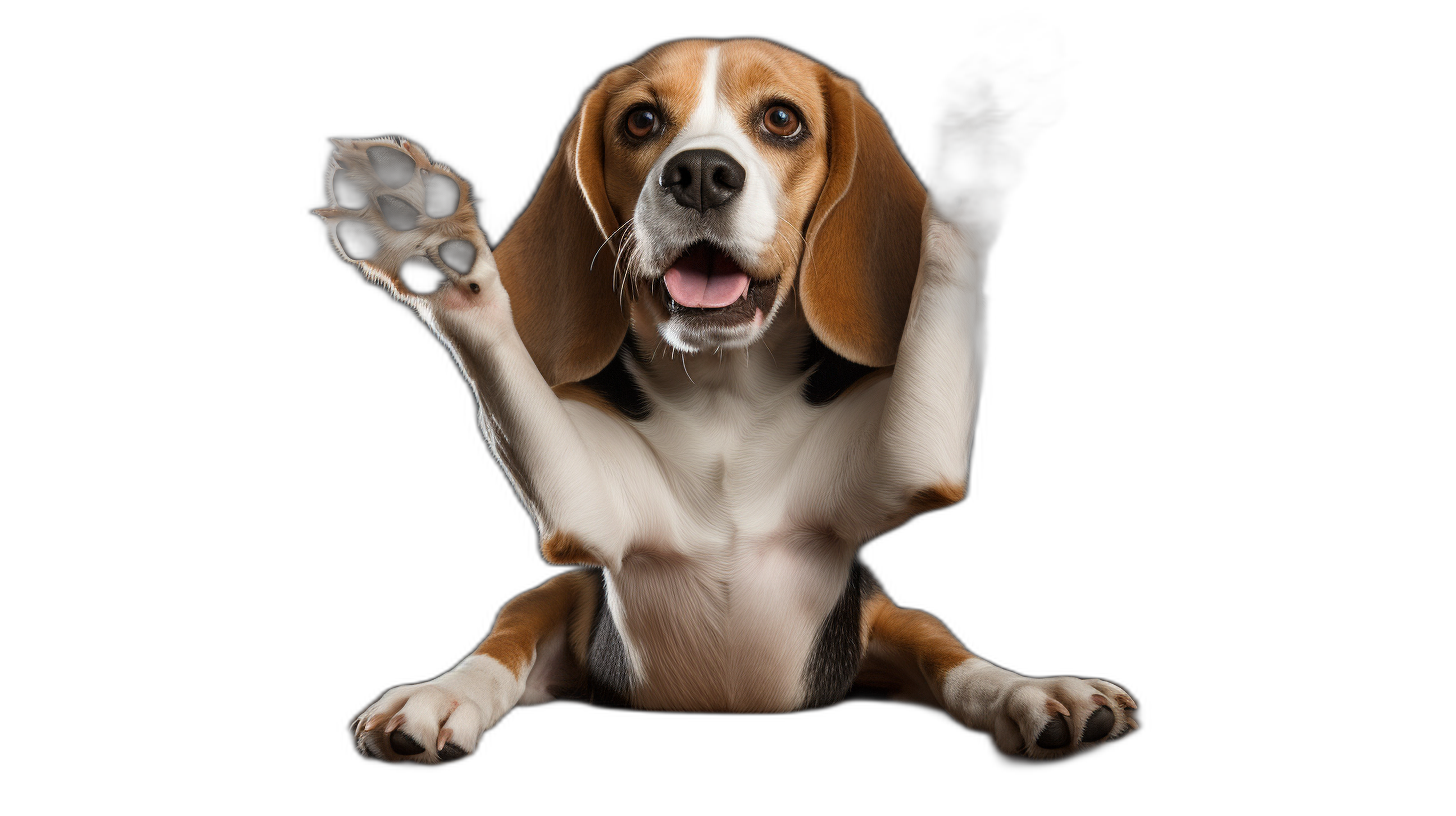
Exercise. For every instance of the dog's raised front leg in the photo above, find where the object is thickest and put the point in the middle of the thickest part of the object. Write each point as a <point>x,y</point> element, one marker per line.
<point>912,654</point>
<point>924,445</point>
<point>535,652</point>
<point>391,206</point>
<point>995,108</point>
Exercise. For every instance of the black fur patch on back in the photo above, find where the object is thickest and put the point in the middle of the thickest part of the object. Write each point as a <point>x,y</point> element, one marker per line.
<point>835,661</point>
<point>608,675</point>
<point>617,385</point>
<point>831,375</point>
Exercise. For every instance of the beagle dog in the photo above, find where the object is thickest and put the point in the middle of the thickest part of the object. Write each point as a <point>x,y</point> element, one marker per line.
<point>728,342</point>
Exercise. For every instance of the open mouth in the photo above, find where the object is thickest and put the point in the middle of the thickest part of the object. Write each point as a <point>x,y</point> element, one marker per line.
<point>708,286</point>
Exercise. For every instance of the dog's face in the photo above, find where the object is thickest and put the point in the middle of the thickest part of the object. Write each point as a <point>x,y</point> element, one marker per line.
<point>707,183</point>
<point>715,154</point>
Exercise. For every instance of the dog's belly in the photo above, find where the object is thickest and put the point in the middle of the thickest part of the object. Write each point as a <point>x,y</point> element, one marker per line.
<point>727,633</point>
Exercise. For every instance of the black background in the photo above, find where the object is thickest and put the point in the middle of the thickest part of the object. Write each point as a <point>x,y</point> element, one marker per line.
<point>377,536</point>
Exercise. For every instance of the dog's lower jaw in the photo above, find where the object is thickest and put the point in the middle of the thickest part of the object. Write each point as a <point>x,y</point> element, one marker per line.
<point>694,331</point>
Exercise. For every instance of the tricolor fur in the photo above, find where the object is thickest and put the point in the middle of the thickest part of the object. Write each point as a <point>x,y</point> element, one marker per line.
<point>729,342</point>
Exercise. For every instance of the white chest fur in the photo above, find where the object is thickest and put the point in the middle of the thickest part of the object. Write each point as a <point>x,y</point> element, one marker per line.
<point>736,556</point>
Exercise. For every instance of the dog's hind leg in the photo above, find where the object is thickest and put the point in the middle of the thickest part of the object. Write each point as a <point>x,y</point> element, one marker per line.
<point>912,655</point>
<point>536,652</point>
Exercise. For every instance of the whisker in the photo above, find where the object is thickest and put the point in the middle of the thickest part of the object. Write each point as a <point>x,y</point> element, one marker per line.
<point>593,264</point>
<point>792,231</point>
<point>621,253</point>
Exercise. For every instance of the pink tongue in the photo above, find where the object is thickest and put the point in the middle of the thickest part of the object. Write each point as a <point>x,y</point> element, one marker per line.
<point>705,278</point>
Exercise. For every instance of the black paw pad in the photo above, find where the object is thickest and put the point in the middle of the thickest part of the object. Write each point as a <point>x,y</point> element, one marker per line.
<point>963,162</point>
<point>397,214</point>
<point>345,194</point>
<point>421,277</point>
<point>442,196</point>
<point>451,752</point>
<point>357,240</point>
<point>1098,725</point>
<point>458,255</point>
<point>404,745</point>
<point>393,167</point>
<point>1056,734</point>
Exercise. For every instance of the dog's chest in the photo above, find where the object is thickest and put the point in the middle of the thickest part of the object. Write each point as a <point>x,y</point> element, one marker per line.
<point>727,607</point>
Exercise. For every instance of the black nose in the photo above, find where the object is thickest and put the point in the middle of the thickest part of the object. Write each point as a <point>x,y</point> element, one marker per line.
<point>702,179</point>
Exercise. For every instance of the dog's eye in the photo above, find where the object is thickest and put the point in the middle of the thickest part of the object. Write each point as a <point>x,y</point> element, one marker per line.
<point>781,121</point>
<point>642,122</point>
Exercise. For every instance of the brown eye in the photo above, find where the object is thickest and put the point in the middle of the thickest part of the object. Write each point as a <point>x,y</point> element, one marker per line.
<point>641,122</point>
<point>781,121</point>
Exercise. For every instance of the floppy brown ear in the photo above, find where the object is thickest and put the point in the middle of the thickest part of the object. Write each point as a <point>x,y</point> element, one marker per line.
<point>560,286</point>
<point>863,243</point>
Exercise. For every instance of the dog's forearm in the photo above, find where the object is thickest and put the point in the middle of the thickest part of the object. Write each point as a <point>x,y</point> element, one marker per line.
<point>930,410</point>
<point>526,425</point>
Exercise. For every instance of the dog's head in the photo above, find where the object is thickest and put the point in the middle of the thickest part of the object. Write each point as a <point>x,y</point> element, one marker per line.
<point>702,183</point>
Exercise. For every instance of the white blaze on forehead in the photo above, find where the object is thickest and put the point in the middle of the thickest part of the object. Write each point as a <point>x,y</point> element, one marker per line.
<point>705,115</point>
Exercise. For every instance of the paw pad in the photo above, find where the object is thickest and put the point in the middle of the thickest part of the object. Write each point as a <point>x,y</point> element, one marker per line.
<point>451,752</point>
<point>1057,734</point>
<point>420,276</point>
<point>392,167</point>
<point>1099,724</point>
<point>442,195</point>
<point>398,214</point>
<point>357,240</point>
<point>404,745</point>
<point>458,255</point>
<point>348,193</point>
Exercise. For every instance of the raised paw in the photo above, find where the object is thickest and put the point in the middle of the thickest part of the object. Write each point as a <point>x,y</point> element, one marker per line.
<point>406,221</point>
<point>438,721</point>
<point>980,143</point>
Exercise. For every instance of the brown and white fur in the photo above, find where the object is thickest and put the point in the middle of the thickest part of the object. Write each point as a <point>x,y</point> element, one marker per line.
<point>714,469</point>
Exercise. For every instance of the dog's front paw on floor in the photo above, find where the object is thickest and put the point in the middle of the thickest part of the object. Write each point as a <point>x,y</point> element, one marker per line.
<point>406,221</point>
<point>1053,716</point>
<point>423,723</point>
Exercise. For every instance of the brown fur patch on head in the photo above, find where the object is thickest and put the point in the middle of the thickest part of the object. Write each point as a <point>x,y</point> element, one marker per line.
<point>667,78</point>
